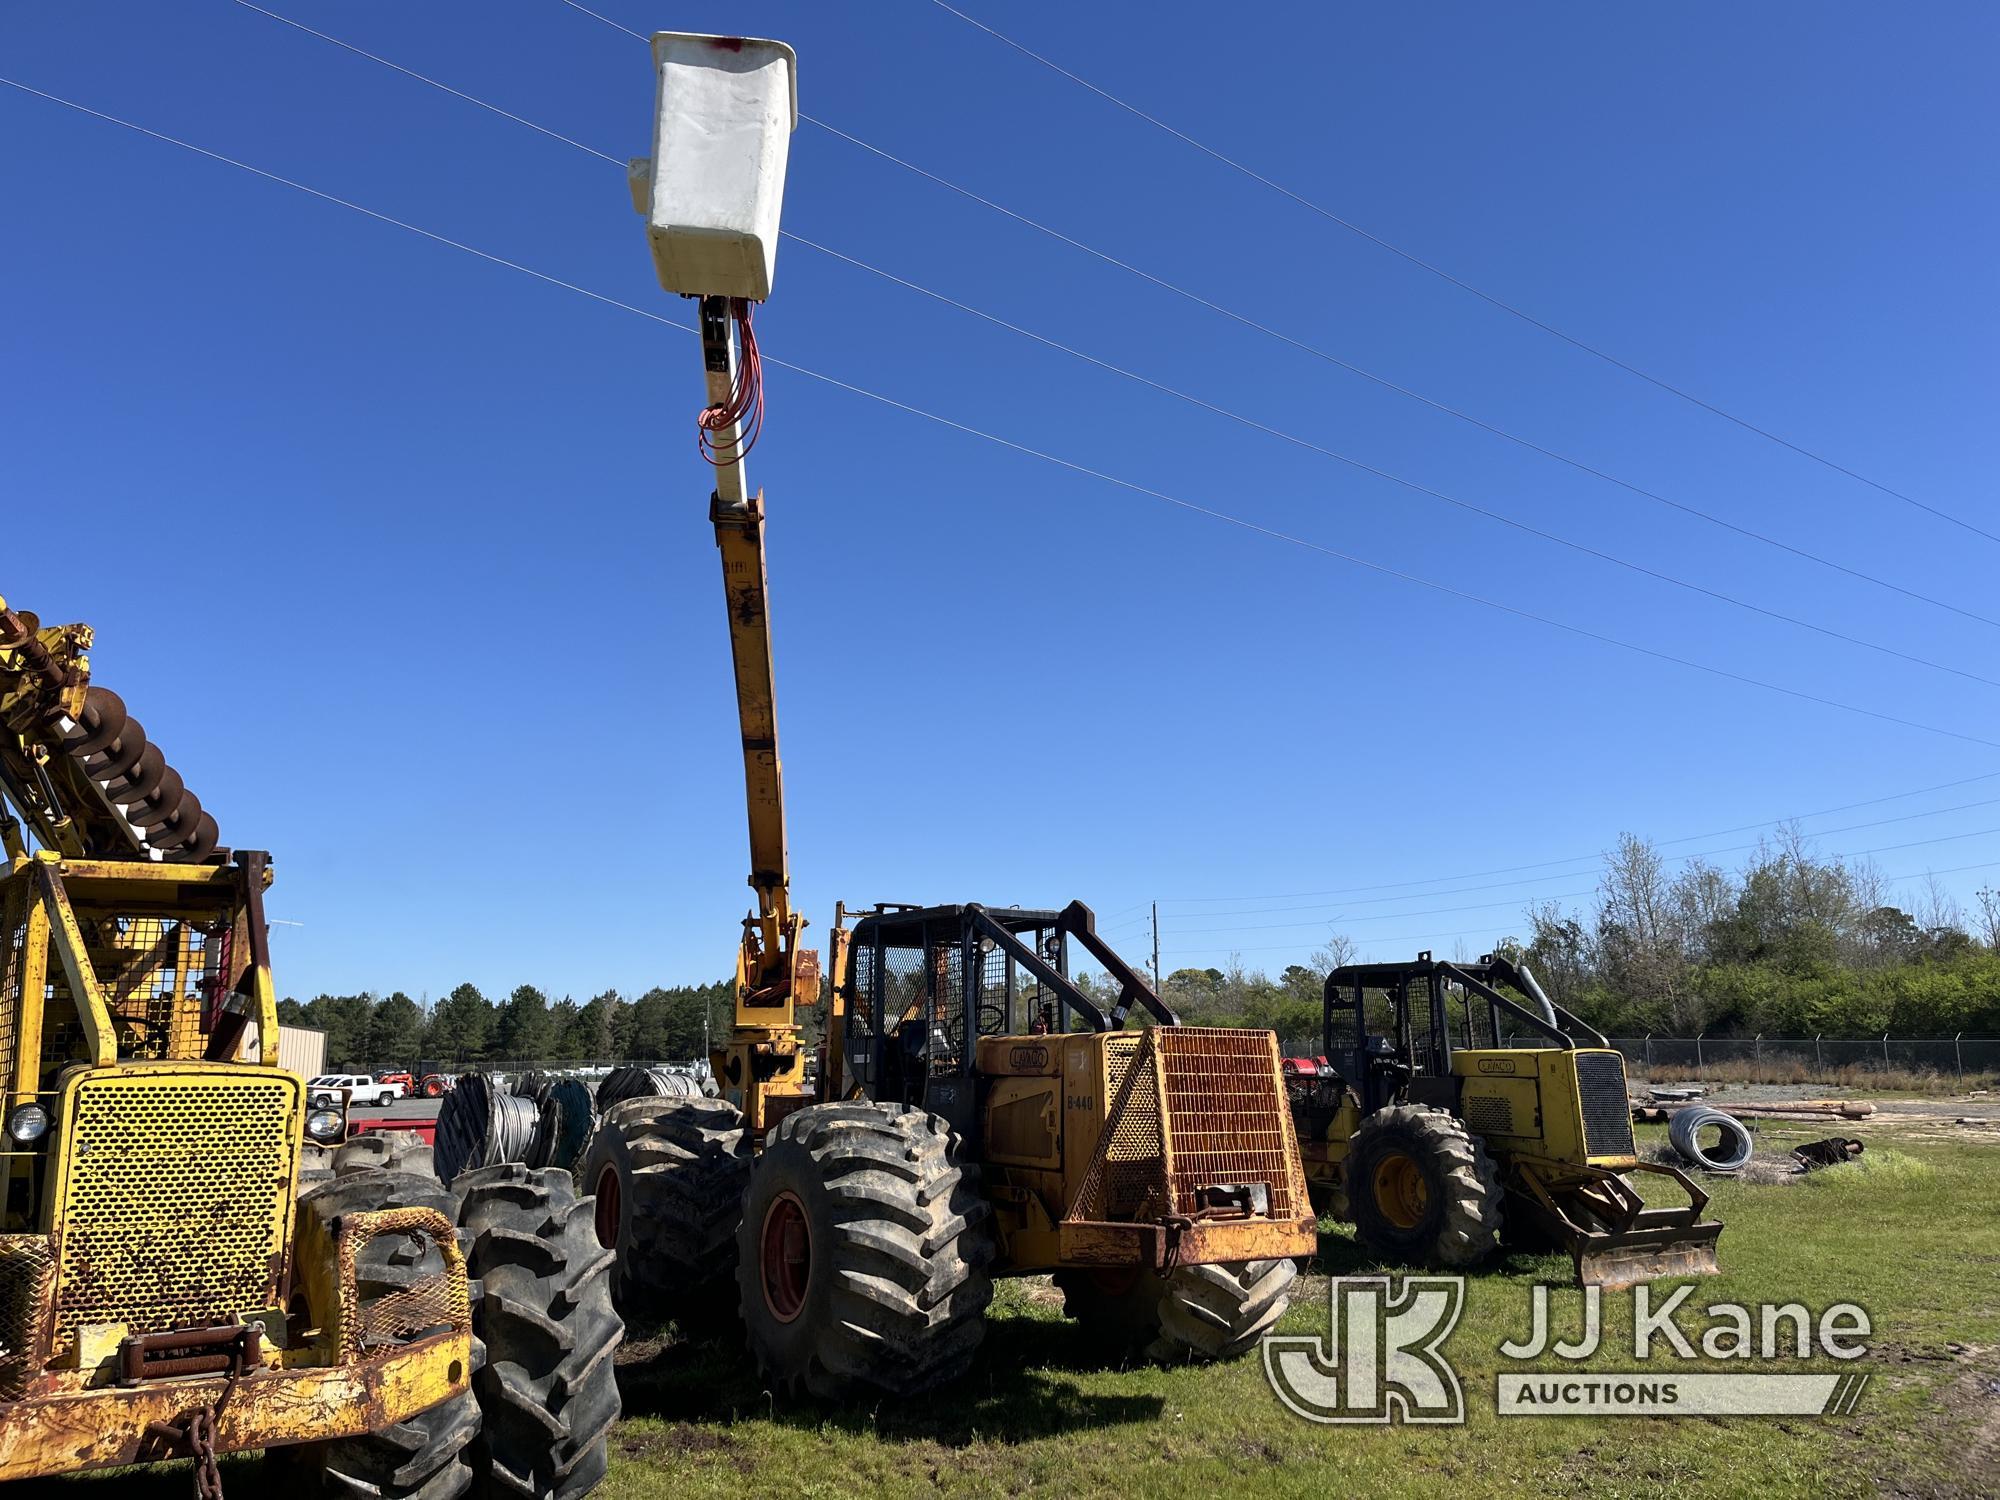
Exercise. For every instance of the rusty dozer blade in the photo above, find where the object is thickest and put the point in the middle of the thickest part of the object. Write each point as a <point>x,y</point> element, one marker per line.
<point>1613,1238</point>
<point>1646,1253</point>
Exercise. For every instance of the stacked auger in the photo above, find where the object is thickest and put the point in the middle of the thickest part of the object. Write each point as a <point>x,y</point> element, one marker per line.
<point>79,766</point>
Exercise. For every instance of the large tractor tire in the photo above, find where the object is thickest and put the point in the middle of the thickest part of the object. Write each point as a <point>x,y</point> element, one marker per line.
<point>385,1150</point>
<point>547,1393</point>
<point>1422,1189</point>
<point>427,1457</point>
<point>1194,1313</point>
<point>862,1254</point>
<point>668,1177</point>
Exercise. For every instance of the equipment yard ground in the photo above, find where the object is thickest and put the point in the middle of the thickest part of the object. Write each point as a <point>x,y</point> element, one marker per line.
<point>1909,1235</point>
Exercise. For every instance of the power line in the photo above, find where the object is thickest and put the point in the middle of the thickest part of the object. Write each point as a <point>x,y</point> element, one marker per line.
<point>1319,353</point>
<point>1465,286</point>
<point>1333,359</point>
<point>1341,919</point>
<point>615,26</point>
<point>421,78</point>
<point>1431,937</point>
<point>1070,465</point>
<point>1287,437</point>
<point>1686,838</point>
<point>1384,474</point>
<point>1257,911</point>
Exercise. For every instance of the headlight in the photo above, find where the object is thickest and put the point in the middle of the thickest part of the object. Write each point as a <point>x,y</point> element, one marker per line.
<point>323,1124</point>
<point>27,1123</point>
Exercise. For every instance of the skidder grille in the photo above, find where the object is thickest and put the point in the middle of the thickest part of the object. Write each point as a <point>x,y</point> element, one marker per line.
<point>27,1276</point>
<point>1228,1121</point>
<point>1128,1180</point>
<point>175,1200</point>
<point>1607,1112</point>
<point>1194,1108</point>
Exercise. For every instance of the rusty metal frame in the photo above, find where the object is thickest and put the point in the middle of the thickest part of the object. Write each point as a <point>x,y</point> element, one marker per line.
<point>66,937</point>
<point>353,1232</point>
<point>262,1397</point>
<point>57,1431</point>
<point>226,1349</point>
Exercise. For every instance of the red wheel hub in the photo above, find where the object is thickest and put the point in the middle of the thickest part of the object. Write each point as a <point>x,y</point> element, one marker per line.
<point>1115,1281</point>
<point>784,1257</point>
<point>608,1207</point>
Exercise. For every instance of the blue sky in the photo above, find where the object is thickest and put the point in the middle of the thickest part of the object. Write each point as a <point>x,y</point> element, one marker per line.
<point>403,556</point>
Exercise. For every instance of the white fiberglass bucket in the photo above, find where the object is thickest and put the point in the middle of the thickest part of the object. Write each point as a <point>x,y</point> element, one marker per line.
<point>712,190</point>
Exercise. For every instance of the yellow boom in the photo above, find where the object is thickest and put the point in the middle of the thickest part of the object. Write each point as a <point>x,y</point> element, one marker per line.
<point>774,972</point>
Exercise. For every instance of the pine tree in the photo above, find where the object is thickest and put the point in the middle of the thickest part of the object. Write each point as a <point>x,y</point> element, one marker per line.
<point>524,1032</point>
<point>459,1026</point>
<point>395,1032</point>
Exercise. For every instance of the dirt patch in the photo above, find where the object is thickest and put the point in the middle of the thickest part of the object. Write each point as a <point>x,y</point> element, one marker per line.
<point>1974,1396</point>
<point>1764,1169</point>
<point>1945,1103</point>
<point>640,1348</point>
<point>1964,1410</point>
<point>1260,1450</point>
<point>677,1440</point>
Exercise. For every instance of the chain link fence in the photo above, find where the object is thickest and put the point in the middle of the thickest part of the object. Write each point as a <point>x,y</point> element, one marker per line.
<point>1956,1055</point>
<point>1810,1057</point>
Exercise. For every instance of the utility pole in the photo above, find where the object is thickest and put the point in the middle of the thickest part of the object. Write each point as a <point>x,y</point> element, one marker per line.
<point>1156,947</point>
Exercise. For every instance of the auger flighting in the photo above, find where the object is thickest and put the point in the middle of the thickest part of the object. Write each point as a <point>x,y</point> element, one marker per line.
<point>79,767</point>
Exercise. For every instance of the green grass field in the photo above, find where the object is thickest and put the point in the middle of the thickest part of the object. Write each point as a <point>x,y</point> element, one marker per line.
<point>1912,1233</point>
<point>1914,1237</point>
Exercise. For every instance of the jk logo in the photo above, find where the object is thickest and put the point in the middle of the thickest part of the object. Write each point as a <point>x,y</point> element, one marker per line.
<point>1380,1360</point>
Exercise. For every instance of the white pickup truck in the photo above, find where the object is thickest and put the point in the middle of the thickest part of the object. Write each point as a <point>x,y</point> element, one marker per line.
<point>351,1088</point>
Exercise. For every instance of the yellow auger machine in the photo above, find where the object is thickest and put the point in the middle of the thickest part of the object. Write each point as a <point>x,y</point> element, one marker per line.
<point>182,1274</point>
<point>978,1113</point>
<point>1438,1141</point>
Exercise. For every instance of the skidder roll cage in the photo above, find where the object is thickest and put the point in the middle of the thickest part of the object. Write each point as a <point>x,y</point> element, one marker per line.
<point>925,983</point>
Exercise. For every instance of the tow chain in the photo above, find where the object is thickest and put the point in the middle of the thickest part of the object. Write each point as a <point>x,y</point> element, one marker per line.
<point>201,1442</point>
<point>194,1436</point>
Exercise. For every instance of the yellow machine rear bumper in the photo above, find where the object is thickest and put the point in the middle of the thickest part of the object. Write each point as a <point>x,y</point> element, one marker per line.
<point>1159,1247</point>
<point>65,1431</point>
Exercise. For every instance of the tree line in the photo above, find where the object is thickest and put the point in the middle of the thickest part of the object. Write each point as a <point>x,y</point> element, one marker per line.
<point>465,1029</point>
<point>1792,944</point>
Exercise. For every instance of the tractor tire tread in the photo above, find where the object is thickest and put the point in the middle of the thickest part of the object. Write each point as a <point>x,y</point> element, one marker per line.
<point>1469,1228</point>
<point>683,1165</point>
<point>547,1393</point>
<point>910,1249</point>
<point>425,1457</point>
